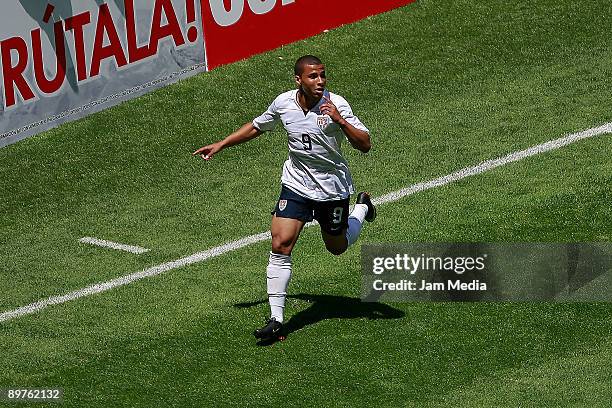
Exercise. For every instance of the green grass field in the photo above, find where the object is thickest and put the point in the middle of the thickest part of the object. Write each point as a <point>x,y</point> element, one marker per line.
<point>442,85</point>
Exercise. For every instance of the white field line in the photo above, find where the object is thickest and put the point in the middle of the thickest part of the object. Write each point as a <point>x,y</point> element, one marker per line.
<point>251,239</point>
<point>114,245</point>
<point>491,164</point>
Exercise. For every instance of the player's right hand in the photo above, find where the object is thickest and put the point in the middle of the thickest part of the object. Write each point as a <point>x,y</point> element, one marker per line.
<point>207,152</point>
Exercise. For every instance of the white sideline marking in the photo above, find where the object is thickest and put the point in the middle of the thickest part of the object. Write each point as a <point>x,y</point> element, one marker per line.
<point>251,239</point>
<point>124,280</point>
<point>491,164</point>
<point>114,245</point>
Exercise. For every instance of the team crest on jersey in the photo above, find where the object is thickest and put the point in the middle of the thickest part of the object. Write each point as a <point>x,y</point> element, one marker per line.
<point>282,204</point>
<point>323,121</point>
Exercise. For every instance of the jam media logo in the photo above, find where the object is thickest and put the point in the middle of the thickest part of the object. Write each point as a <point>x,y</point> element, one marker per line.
<point>82,42</point>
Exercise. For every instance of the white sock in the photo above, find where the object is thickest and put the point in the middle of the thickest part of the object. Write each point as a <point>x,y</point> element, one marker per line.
<point>355,223</point>
<point>278,276</point>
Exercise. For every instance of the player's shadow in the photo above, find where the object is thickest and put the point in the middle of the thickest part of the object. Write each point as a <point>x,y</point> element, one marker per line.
<point>323,307</point>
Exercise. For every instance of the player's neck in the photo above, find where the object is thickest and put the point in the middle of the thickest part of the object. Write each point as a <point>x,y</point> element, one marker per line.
<point>306,102</point>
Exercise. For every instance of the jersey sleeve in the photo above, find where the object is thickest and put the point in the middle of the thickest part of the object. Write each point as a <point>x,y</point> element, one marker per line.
<point>347,113</point>
<point>267,120</point>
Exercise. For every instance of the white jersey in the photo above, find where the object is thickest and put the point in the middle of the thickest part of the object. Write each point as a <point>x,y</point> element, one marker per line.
<point>315,168</point>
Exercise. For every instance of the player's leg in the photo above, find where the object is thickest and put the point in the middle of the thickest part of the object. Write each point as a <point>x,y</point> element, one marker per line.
<point>336,242</point>
<point>285,232</point>
<point>289,217</point>
<point>363,210</point>
<point>333,218</point>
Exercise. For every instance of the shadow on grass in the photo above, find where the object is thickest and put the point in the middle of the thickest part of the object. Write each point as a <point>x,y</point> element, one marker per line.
<point>325,307</point>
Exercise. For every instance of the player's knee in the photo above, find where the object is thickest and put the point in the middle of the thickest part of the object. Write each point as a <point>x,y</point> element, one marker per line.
<point>281,245</point>
<point>336,249</point>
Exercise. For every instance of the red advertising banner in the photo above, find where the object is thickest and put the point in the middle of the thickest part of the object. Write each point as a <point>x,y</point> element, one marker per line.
<point>237,29</point>
<point>64,59</point>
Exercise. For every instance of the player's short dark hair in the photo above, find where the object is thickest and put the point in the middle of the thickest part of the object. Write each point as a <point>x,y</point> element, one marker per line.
<point>303,61</point>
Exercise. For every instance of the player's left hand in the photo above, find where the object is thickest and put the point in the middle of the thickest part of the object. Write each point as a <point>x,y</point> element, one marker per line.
<point>207,152</point>
<point>328,108</point>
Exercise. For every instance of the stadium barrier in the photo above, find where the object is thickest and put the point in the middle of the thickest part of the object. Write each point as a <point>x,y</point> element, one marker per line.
<point>64,59</point>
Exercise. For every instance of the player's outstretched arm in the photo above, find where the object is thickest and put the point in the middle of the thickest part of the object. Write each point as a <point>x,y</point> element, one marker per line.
<point>358,138</point>
<point>245,133</point>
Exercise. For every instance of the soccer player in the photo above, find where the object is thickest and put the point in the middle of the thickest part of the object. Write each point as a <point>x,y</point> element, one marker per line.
<point>316,182</point>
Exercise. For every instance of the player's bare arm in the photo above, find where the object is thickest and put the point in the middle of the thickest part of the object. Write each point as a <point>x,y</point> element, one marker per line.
<point>245,133</point>
<point>358,138</point>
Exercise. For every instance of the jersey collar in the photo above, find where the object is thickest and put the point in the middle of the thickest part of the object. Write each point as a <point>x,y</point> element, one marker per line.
<point>315,109</point>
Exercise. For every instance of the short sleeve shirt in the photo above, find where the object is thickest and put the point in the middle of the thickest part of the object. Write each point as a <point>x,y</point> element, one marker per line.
<point>315,168</point>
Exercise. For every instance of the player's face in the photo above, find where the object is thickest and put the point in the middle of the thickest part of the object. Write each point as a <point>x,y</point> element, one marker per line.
<point>312,81</point>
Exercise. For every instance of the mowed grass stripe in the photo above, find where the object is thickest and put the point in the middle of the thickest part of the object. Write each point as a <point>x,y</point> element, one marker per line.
<point>491,164</point>
<point>134,249</point>
<point>455,87</point>
<point>251,239</point>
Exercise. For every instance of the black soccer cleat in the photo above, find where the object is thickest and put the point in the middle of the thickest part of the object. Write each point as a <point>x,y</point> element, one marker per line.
<point>364,198</point>
<point>272,330</point>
